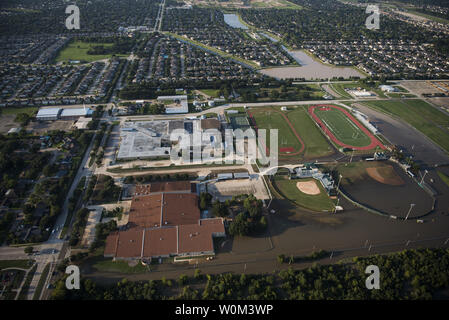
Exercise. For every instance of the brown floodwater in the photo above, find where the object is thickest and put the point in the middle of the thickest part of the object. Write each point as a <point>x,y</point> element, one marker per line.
<point>310,69</point>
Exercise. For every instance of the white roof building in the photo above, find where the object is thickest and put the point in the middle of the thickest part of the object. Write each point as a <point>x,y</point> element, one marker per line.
<point>76,112</point>
<point>48,113</point>
<point>387,88</point>
<point>179,105</point>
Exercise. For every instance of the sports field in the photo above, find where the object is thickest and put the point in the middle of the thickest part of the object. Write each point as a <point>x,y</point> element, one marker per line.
<point>343,129</point>
<point>316,144</point>
<point>289,142</point>
<point>425,118</point>
<point>288,189</point>
<point>298,134</point>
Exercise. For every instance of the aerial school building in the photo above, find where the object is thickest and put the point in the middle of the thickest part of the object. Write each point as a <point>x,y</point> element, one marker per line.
<point>164,223</point>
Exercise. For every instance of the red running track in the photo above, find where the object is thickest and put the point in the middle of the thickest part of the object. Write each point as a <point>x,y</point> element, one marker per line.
<point>291,127</point>
<point>374,141</point>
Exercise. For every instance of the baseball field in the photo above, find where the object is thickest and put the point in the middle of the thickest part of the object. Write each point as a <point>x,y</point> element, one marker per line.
<point>289,189</point>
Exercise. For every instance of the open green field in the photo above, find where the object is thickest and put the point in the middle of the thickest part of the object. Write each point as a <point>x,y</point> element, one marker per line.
<point>273,119</point>
<point>77,50</point>
<point>430,17</point>
<point>397,95</point>
<point>211,92</point>
<point>343,128</point>
<point>340,89</point>
<point>11,110</point>
<point>275,4</point>
<point>288,189</point>
<point>421,115</point>
<point>316,145</point>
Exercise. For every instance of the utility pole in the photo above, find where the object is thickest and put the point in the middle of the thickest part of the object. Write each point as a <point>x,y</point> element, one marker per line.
<point>410,210</point>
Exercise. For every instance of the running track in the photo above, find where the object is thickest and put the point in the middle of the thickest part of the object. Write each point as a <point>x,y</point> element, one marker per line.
<point>291,127</point>
<point>374,141</point>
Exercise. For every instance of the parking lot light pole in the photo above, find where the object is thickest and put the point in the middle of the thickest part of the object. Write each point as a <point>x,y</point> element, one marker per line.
<point>410,210</point>
<point>338,198</point>
<point>425,172</point>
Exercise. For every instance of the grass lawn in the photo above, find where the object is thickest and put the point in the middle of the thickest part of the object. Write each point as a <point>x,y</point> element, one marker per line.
<point>400,95</point>
<point>275,4</point>
<point>316,144</point>
<point>273,119</point>
<point>343,128</point>
<point>119,266</point>
<point>338,88</point>
<point>23,264</point>
<point>443,177</point>
<point>15,110</point>
<point>425,118</point>
<point>77,50</point>
<point>288,189</point>
<point>430,17</point>
<point>210,92</point>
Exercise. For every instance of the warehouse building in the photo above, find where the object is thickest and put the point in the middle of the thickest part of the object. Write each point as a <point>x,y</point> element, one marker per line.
<point>75,113</point>
<point>48,114</point>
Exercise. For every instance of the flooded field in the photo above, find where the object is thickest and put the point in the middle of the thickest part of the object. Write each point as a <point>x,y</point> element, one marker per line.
<point>310,69</point>
<point>233,21</point>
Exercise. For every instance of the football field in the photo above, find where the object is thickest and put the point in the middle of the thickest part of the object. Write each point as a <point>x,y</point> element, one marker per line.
<point>343,129</point>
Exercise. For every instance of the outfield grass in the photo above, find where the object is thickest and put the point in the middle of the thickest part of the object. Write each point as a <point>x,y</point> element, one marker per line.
<point>288,189</point>
<point>315,143</point>
<point>425,118</point>
<point>270,119</point>
<point>343,128</point>
<point>77,50</point>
